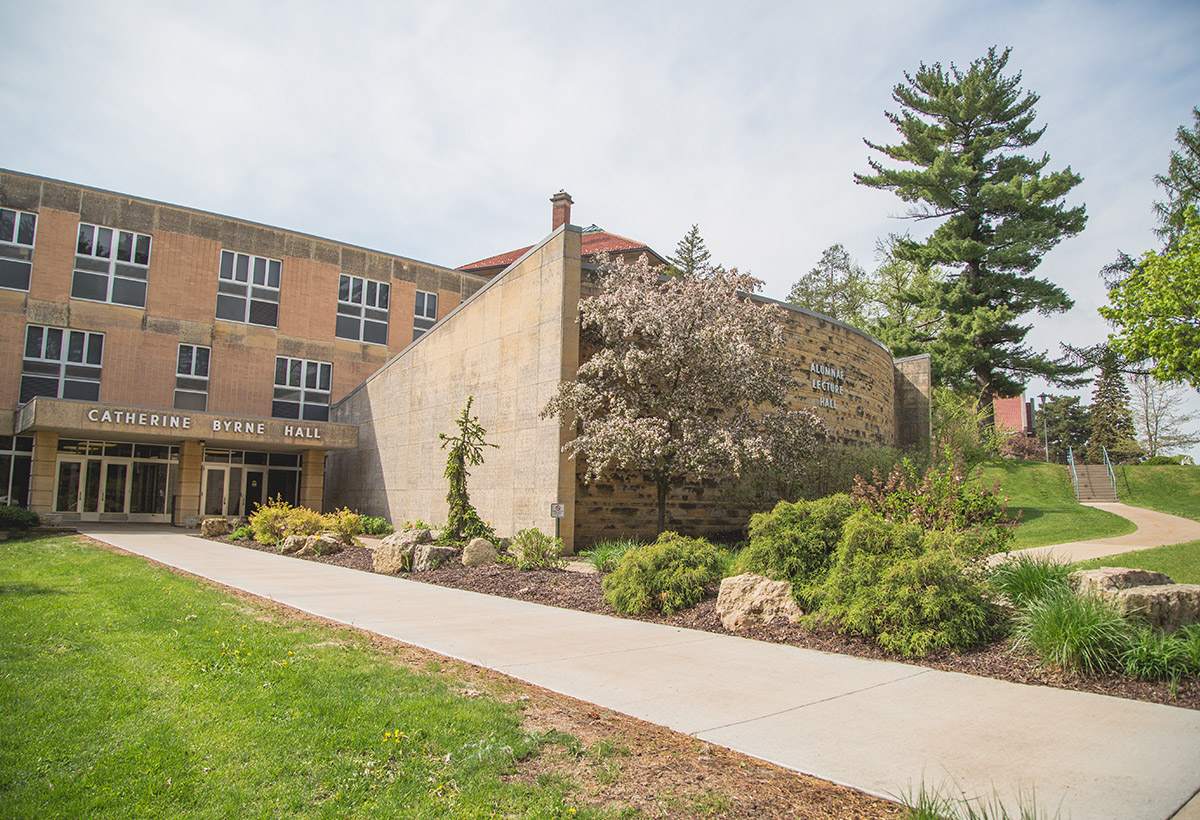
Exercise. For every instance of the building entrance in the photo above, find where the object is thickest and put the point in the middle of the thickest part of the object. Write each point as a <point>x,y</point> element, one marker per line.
<point>236,482</point>
<point>114,481</point>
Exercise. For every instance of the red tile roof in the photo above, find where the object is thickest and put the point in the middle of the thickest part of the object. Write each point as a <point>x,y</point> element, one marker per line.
<point>594,241</point>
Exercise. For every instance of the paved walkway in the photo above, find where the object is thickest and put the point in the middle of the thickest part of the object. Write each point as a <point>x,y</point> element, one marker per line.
<point>1154,529</point>
<point>877,726</point>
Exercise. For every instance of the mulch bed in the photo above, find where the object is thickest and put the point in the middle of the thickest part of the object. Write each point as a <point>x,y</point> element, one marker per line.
<point>581,591</point>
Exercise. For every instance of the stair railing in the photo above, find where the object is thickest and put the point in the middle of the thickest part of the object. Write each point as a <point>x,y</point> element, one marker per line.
<point>1112,479</point>
<point>1074,473</point>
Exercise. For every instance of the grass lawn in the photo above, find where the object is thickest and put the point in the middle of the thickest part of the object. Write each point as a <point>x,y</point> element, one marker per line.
<point>129,692</point>
<point>1168,488</point>
<point>1043,495</point>
<point>1180,561</point>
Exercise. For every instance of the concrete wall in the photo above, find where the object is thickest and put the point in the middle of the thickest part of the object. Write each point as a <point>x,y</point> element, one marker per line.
<point>509,346</point>
<point>914,401</point>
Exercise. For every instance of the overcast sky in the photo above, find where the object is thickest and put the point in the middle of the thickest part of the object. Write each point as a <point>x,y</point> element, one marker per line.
<point>439,130</point>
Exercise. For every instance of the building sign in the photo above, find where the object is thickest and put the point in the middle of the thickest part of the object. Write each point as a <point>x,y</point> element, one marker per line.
<point>828,381</point>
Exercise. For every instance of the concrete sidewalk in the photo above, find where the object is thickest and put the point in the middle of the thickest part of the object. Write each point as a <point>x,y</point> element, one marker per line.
<point>1154,529</point>
<point>877,726</point>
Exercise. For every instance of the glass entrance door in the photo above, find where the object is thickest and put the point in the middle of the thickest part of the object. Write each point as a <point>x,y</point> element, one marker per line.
<point>214,490</point>
<point>78,488</point>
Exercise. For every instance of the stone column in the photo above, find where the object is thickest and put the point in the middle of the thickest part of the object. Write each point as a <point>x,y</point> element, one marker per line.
<point>187,491</point>
<point>312,480</point>
<point>41,472</point>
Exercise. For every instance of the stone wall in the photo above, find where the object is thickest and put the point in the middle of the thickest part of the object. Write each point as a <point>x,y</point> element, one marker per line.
<point>509,347</point>
<point>914,401</point>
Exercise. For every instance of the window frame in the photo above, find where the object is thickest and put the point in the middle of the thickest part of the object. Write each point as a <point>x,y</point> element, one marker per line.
<point>422,320</point>
<point>80,374</point>
<point>232,287</point>
<point>189,383</point>
<point>16,256</point>
<point>91,265</point>
<point>312,401</point>
<point>364,312</point>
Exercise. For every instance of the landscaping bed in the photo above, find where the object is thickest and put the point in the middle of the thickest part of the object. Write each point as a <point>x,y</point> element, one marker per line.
<point>582,591</point>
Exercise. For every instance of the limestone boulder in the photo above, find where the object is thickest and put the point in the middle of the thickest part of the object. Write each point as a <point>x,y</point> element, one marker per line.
<point>479,553</point>
<point>1107,581</point>
<point>292,544</point>
<point>393,556</point>
<point>749,599</point>
<point>1166,607</point>
<point>215,527</point>
<point>327,543</point>
<point>431,556</point>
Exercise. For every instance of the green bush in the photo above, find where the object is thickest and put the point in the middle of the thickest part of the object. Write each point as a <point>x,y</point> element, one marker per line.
<point>1024,578</point>
<point>1074,633</point>
<point>344,522</point>
<point>376,525</point>
<point>303,521</point>
<point>242,532</point>
<point>1152,655</point>
<point>605,555</point>
<point>796,542</point>
<point>274,521</point>
<point>666,576</point>
<point>1158,461</point>
<point>269,521</point>
<point>1189,636</point>
<point>906,588</point>
<point>533,549</point>
<point>17,519</point>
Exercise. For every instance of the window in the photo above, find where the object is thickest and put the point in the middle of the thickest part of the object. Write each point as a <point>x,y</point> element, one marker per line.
<point>108,272</point>
<point>301,389</point>
<point>362,311</point>
<point>16,459</point>
<point>426,313</point>
<point>249,289</point>
<point>17,230</point>
<point>191,378</point>
<point>61,364</point>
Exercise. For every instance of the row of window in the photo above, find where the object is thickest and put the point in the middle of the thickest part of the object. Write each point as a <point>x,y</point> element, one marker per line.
<point>112,266</point>
<point>67,364</point>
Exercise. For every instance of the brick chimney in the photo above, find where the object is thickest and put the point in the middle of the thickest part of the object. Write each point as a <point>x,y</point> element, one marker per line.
<point>562,209</point>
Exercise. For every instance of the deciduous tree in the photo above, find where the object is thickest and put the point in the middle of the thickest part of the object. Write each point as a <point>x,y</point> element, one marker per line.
<point>683,383</point>
<point>837,287</point>
<point>1163,426</point>
<point>998,212</point>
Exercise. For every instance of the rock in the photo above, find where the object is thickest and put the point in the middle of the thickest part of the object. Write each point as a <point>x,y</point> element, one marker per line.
<point>478,553</point>
<point>1166,607</point>
<point>324,544</point>
<point>431,556</point>
<point>745,600</point>
<point>393,555</point>
<point>215,527</point>
<point>292,544</point>
<point>1107,581</point>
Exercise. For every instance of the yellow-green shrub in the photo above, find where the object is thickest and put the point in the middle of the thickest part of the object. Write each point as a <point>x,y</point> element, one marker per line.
<point>666,576</point>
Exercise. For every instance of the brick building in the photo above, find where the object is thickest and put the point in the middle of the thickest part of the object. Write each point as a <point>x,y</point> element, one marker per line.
<point>166,363</point>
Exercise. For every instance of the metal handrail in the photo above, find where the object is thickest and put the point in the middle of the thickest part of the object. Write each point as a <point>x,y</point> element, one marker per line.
<point>1112,479</point>
<point>1074,473</point>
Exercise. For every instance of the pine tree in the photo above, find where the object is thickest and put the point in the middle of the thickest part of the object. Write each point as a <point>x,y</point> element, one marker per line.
<point>999,213</point>
<point>691,256</point>
<point>1112,423</point>
<point>1181,182</point>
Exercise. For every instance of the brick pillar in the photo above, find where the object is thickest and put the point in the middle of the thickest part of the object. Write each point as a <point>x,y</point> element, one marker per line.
<point>41,472</point>
<point>312,480</point>
<point>562,209</point>
<point>187,490</point>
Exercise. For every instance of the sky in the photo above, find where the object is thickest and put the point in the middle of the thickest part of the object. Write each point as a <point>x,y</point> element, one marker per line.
<point>439,131</point>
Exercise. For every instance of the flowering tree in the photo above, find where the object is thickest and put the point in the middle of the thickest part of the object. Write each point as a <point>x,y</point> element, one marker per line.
<point>683,384</point>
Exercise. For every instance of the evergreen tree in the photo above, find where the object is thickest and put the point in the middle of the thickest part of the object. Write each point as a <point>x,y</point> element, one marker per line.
<point>900,302</point>
<point>1111,420</point>
<point>1181,182</point>
<point>1064,424</point>
<point>837,287</point>
<point>999,213</point>
<point>692,256</point>
<point>466,449</point>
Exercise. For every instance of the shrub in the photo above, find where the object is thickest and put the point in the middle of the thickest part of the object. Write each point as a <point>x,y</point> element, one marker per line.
<point>17,519</point>
<point>1074,632</point>
<point>796,542</point>
<point>241,532</point>
<point>604,555</point>
<point>1152,655</point>
<point>1024,578</point>
<point>1189,636</point>
<point>303,521</point>
<point>376,525</point>
<point>905,587</point>
<point>344,522</point>
<point>269,521</point>
<point>1158,461</point>
<point>533,549</point>
<point>666,576</point>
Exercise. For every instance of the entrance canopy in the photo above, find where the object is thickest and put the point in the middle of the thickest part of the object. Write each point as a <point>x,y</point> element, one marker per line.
<point>111,422</point>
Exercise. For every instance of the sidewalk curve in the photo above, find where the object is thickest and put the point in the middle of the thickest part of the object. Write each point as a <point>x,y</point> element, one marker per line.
<point>877,726</point>
<point>1154,529</point>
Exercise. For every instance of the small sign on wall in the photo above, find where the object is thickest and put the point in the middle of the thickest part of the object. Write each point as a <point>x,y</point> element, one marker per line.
<point>558,510</point>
